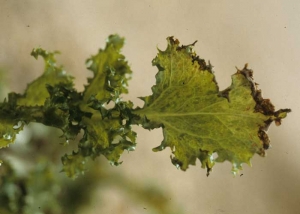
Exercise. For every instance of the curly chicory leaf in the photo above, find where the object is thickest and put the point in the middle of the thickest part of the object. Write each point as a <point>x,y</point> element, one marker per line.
<point>198,119</point>
<point>108,130</point>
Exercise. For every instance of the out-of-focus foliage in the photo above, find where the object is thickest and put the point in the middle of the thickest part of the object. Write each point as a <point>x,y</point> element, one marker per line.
<point>34,184</point>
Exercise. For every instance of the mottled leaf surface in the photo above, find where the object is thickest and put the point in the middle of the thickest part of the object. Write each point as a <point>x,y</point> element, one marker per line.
<point>198,119</point>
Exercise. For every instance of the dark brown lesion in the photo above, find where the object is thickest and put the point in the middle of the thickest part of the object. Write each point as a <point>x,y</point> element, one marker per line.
<point>225,93</point>
<point>264,138</point>
<point>176,162</point>
<point>195,58</point>
<point>265,107</point>
<point>208,170</point>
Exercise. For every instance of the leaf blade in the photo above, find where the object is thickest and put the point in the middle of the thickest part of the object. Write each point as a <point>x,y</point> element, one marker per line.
<point>198,119</point>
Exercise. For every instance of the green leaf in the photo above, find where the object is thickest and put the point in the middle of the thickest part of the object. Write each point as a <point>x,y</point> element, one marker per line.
<point>198,119</point>
<point>28,107</point>
<point>36,92</point>
<point>108,136</point>
<point>111,72</point>
<point>8,133</point>
<point>108,130</point>
<point>61,109</point>
<point>10,121</point>
<point>52,100</point>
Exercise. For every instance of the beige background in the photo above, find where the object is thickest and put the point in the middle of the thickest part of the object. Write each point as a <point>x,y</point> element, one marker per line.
<point>266,34</point>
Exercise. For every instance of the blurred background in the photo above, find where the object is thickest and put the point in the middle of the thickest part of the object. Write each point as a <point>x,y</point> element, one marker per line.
<point>265,34</point>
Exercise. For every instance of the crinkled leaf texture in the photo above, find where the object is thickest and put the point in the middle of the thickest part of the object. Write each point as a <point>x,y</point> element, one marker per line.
<point>29,106</point>
<point>106,131</point>
<point>52,100</point>
<point>198,120</point>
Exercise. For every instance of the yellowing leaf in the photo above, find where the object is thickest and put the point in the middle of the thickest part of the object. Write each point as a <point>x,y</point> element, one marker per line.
<point>198,119</point>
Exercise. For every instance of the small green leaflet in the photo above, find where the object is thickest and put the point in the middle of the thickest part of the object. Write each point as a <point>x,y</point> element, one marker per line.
<point>198,120</point>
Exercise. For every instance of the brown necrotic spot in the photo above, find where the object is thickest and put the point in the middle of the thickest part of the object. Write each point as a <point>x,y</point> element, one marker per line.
<point>264,138</point>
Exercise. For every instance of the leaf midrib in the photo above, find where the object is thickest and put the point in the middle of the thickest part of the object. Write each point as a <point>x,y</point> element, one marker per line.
<point>183,114</point>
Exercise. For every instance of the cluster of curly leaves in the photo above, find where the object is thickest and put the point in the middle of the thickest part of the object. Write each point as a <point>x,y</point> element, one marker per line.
<point>197,119</point>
